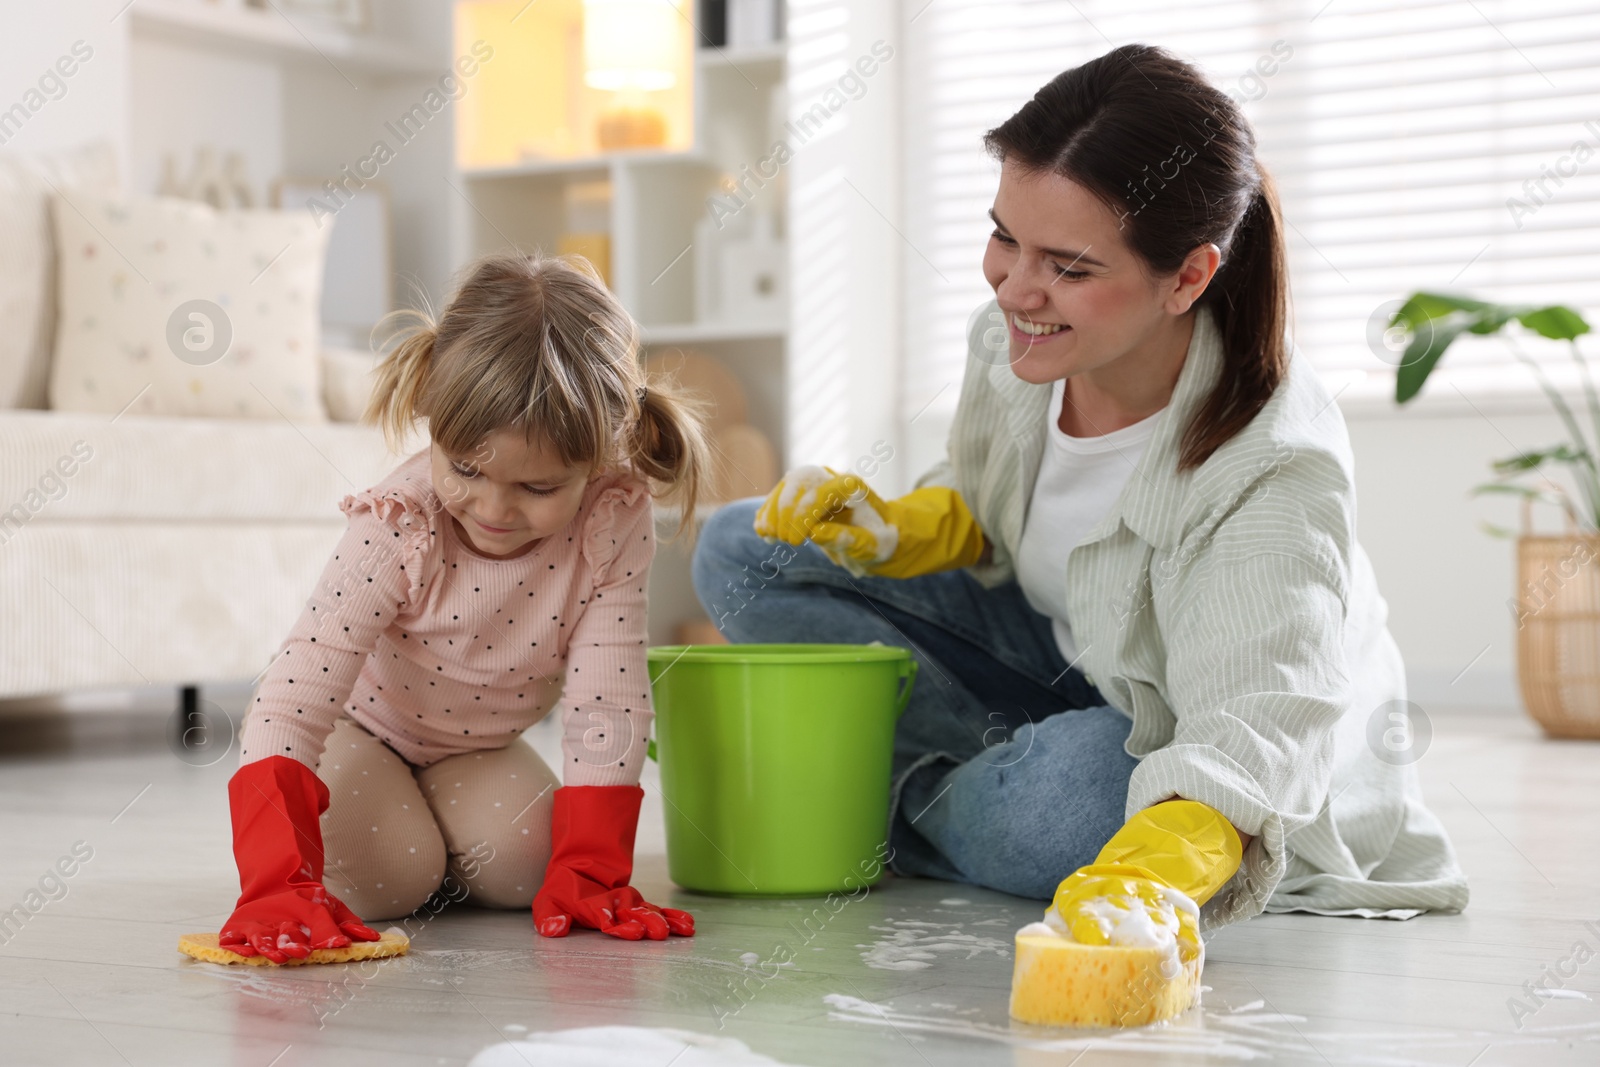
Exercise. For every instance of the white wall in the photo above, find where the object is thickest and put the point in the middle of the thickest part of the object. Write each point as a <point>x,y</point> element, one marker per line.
<point>1447,582</point>
<point>185,98</point>
<point>151,97</point>
<point>351,120</point>
<point>844,184</point>
<point>90,103</point>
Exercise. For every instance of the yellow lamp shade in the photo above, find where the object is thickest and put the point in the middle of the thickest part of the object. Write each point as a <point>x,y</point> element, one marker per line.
<point>628,44</point>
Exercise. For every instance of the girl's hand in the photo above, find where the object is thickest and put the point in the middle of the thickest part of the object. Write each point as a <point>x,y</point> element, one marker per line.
<point>591,860</point>
<point>291,924</point>
<point>618,912</point>
<point>284,911</point>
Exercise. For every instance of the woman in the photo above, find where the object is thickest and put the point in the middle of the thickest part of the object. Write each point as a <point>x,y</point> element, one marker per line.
<point>1150,642</point>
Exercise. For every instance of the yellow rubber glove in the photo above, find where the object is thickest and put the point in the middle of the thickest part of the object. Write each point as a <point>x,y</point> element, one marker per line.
<point>925,531</point>
<point>1177,845</point>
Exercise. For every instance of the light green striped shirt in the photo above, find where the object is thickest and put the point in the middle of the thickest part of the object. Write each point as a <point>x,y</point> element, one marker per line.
<point>1230,612</point>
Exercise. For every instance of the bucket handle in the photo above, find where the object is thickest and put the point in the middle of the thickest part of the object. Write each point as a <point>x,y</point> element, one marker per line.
<point>908,676</point>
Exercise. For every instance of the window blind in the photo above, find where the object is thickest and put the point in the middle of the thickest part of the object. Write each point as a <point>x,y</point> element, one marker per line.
<point>1451,145</point>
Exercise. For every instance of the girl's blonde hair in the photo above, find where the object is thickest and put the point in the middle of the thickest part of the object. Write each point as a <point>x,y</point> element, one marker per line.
<point>537,343</point>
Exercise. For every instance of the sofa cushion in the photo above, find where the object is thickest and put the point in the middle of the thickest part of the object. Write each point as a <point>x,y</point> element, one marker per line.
<point>28,259</point>
<point>171,307</point>
<point>347,381</point>
<point>63,466</point>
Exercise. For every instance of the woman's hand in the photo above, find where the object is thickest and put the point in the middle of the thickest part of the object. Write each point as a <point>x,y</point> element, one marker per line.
<point>1152,875</point>
<point>1119,904</point>
<point>926,531</point>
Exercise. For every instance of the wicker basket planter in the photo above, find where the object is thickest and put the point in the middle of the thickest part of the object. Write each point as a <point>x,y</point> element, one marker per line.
<point>1557,608</point>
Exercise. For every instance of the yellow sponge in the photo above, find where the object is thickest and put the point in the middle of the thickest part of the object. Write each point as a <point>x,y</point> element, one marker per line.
<point>1058,982</point>
<point>205,947</point>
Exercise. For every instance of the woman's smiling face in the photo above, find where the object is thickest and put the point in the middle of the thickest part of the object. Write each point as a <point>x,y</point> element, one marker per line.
<point>1058,264</point>
<point>524,492</point>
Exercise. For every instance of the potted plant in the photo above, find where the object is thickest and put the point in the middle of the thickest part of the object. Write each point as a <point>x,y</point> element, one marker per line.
<point>1557,603</point>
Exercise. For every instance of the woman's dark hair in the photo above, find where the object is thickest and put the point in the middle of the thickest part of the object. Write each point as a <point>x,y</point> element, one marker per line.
<point>1175,159</point>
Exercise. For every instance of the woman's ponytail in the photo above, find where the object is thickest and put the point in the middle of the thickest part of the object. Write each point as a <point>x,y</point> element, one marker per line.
<point>669,446</point>
<point>1249,298</point>
<point>399,380</point>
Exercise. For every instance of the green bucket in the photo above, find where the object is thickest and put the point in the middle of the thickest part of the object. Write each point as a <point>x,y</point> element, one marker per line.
<point>775,763</point>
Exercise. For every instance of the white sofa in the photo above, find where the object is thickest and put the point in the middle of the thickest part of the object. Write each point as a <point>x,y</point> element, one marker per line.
<point>139,550</point>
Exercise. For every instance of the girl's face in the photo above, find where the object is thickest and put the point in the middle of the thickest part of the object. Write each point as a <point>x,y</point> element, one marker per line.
<point>1057,261</point>
<point>508,494</point>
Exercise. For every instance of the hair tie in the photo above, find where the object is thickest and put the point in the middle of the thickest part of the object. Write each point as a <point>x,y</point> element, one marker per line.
<point>641,392</point>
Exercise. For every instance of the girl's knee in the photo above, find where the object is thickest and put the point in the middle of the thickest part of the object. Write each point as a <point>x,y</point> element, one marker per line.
<point>389,876</point>
<point>505,866</point>
<point>494,808</point>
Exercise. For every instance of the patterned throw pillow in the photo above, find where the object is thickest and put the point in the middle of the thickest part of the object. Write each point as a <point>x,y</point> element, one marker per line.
<point>28,184</point>
<point>171,307</point>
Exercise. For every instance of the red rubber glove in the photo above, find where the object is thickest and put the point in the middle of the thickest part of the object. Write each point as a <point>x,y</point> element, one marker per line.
<point>591,860</point>
<point>284,910</point>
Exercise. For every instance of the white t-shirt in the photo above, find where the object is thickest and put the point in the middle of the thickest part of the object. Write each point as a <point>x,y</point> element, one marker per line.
<point>1079,480</point>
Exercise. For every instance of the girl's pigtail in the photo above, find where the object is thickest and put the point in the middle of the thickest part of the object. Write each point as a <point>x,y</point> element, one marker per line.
<point>669,446</point>
<point>399,380</point>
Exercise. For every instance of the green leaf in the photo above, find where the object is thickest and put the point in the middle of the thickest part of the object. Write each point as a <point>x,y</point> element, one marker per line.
<point>1495,531</point>
<point>1435,320</point>
<point>1557,497</point>
<point>1490,319</point>
<point>1527,461</point>
<point>1422,306</point>
<point>1508,488</point>
<point>1429,339</point>
<point>1557,322</point>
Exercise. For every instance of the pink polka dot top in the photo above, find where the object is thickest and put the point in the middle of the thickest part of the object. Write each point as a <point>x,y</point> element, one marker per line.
<point>437,650</point>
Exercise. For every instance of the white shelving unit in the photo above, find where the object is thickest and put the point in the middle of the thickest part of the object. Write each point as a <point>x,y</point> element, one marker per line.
<point>657,196</point>
<point>656,200</point>
<point>266,33</point>
<point>297,98</point>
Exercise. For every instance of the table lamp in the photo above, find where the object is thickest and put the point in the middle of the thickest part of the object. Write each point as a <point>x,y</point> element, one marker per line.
<point>628,50</point>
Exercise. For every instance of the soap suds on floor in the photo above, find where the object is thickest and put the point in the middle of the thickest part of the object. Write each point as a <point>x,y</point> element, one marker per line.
<point>622,1046</point>
<point>1249,1035</point>
<point>914,945</point>
<point>1562,994</point>
<point>456,960</point>
<point>954,902</point>
<point>265,983</point>
<point>749,959</point>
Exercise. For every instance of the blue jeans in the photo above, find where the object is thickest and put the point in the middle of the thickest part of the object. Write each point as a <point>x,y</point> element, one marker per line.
<point>1009,770</point>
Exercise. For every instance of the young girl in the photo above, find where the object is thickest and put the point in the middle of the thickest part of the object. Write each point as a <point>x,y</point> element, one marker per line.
<point>490,575</point>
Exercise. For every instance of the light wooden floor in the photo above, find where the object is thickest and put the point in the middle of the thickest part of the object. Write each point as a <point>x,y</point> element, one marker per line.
<point>915,973</point>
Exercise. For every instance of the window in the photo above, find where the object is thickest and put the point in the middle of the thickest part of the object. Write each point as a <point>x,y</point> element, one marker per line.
<point>1450,145</point>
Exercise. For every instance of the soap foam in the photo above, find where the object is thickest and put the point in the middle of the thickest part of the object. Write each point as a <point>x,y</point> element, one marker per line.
<point>913,945</point>
<point>622,1046</point>
<point>1128,922</point>
<point>800,493</point>
<point>1210,1036</point>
